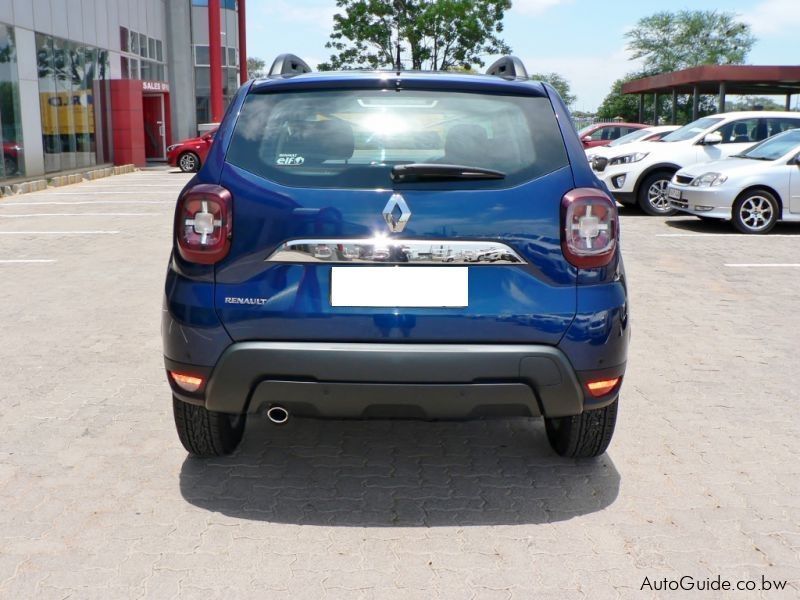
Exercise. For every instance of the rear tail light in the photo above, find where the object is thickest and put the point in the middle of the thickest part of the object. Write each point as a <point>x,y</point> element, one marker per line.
<point>204,224</point>
<point>590,228</point>
<point>188,382</point>
<point>601,387</point>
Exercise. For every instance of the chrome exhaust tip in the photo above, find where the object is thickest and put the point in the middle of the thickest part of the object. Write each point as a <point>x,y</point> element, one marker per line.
<point>277,414</point>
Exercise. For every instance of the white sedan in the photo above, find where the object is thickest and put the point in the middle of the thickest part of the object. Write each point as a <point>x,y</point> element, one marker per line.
<point>754,189</point>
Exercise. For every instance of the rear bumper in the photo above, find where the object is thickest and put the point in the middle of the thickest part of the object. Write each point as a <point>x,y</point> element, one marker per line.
<point>405,380</point>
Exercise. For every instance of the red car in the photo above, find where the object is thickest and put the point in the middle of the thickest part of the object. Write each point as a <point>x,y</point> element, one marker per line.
<point>601,134</point>
<point>190,154</point>
<point>12,157</point>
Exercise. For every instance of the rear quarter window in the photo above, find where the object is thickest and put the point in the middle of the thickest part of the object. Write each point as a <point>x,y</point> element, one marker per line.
<point>352,138</point>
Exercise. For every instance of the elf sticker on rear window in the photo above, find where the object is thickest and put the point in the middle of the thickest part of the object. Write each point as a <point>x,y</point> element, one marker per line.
<point>290,159</point>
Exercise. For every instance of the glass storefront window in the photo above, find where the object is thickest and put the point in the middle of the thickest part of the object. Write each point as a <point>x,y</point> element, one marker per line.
<point>123,39</point>
<point>151,45</point>
<point>72,88</point>
<point>133,47</point>
<point>159,51</point>
<point>232,57</point>
<point>142,45</point>
<point>201,56</point>
<point>229,4</point>
<point>10,127</point>
<point>231,82</point>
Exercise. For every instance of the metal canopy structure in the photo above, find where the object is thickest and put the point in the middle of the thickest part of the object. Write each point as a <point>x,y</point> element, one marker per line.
<point>719,80</point>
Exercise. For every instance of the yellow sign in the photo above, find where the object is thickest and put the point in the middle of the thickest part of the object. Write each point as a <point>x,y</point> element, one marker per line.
<point>65,113</point>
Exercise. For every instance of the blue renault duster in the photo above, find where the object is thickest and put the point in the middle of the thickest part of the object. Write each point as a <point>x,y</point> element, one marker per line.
<point>395,245</point>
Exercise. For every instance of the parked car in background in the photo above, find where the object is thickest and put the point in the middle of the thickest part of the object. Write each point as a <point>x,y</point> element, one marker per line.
<point>189,155</point>
<point>754,189</point>
<point>12,157</point>
<point>262,320</point>
<point>647,134</point>
<point>640,172</point>
<point>601,134</point>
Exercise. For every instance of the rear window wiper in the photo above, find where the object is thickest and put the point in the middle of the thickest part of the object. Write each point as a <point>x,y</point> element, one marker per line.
<point>432,171</point>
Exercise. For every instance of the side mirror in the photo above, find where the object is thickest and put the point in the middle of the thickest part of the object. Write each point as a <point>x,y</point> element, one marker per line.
<point>712,139</point>
<point>586,139</point>
<point>208,137</point>
<point>795,160</point>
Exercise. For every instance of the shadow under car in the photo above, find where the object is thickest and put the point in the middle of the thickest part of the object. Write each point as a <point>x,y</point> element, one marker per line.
<point>399,473</point>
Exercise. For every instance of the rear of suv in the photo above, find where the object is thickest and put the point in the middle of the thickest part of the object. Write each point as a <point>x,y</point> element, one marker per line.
<point>395,245</point>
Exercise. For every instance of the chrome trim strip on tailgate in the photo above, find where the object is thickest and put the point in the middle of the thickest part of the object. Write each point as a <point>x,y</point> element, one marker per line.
<point>394,251</point>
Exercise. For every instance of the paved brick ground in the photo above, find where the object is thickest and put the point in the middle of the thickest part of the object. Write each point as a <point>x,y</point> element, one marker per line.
<point>98,499</point>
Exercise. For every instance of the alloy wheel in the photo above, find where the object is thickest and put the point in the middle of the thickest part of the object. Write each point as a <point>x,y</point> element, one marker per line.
<point>657,195</point>
<point>188,163</point>
<point>756,213</point>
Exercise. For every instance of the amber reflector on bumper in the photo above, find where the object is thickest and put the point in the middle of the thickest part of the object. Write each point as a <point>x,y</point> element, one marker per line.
<point>189,383</point>
<point>602,386</point>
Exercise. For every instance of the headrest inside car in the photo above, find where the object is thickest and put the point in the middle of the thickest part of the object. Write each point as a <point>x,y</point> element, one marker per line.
<point>465,143</point>
<point>318,141</point>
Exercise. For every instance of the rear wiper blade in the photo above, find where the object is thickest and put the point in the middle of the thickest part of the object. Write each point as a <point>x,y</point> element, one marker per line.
<point>433,171</point>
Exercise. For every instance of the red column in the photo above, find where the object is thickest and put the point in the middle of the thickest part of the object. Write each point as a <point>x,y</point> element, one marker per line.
<point>215,52</point>
<point>243,44</point>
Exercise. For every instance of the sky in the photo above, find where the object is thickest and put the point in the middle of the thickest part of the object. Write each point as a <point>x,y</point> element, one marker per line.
<point>583,40</point>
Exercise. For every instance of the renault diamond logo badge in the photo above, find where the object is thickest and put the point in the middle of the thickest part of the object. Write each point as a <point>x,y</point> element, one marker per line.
<point>396,213</point>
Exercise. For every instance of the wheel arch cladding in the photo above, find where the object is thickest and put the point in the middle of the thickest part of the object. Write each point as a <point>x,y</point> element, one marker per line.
<point>666,167</point>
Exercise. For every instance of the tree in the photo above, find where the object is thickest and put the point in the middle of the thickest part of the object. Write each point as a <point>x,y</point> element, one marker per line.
<point>256,67</point>
<point>754,103</point>
<point>669,41</point>
<point>432,34</point>
<point>560,84</point>
<point>616,104</point>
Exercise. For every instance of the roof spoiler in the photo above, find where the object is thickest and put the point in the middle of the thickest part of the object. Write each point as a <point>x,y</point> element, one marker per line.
<point>508,67</point>
<point>288,65</point>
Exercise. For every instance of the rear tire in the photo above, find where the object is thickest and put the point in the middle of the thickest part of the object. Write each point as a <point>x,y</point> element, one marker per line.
<point>653,198</point>
<point>205,433</point>
<point>583,436</point>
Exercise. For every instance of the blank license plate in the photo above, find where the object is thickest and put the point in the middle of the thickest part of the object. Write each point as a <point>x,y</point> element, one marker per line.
<point>400,286</point>
<point>674,193</point>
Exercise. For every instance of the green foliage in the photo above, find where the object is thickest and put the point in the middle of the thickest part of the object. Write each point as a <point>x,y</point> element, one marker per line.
<point>669,41</point>
<point>751,102</point>
<point>617,104</point>
<point>434,34</point>
<point>256,67</point>
<point>560,84</point>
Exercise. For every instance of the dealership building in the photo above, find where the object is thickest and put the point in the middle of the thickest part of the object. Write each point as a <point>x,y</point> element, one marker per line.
<point>96,82</point>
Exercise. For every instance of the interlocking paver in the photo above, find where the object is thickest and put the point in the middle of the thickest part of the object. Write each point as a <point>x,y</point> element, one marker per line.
<point>99,500</point>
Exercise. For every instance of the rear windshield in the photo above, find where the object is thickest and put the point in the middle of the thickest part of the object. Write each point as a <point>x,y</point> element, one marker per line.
<point>352,138</point>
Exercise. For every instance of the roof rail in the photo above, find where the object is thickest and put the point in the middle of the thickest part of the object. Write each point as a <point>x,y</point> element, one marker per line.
<point>288,64</point>
<point>509,67</point>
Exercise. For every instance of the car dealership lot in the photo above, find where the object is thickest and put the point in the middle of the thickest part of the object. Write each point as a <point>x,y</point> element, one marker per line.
<point>99,500</point>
